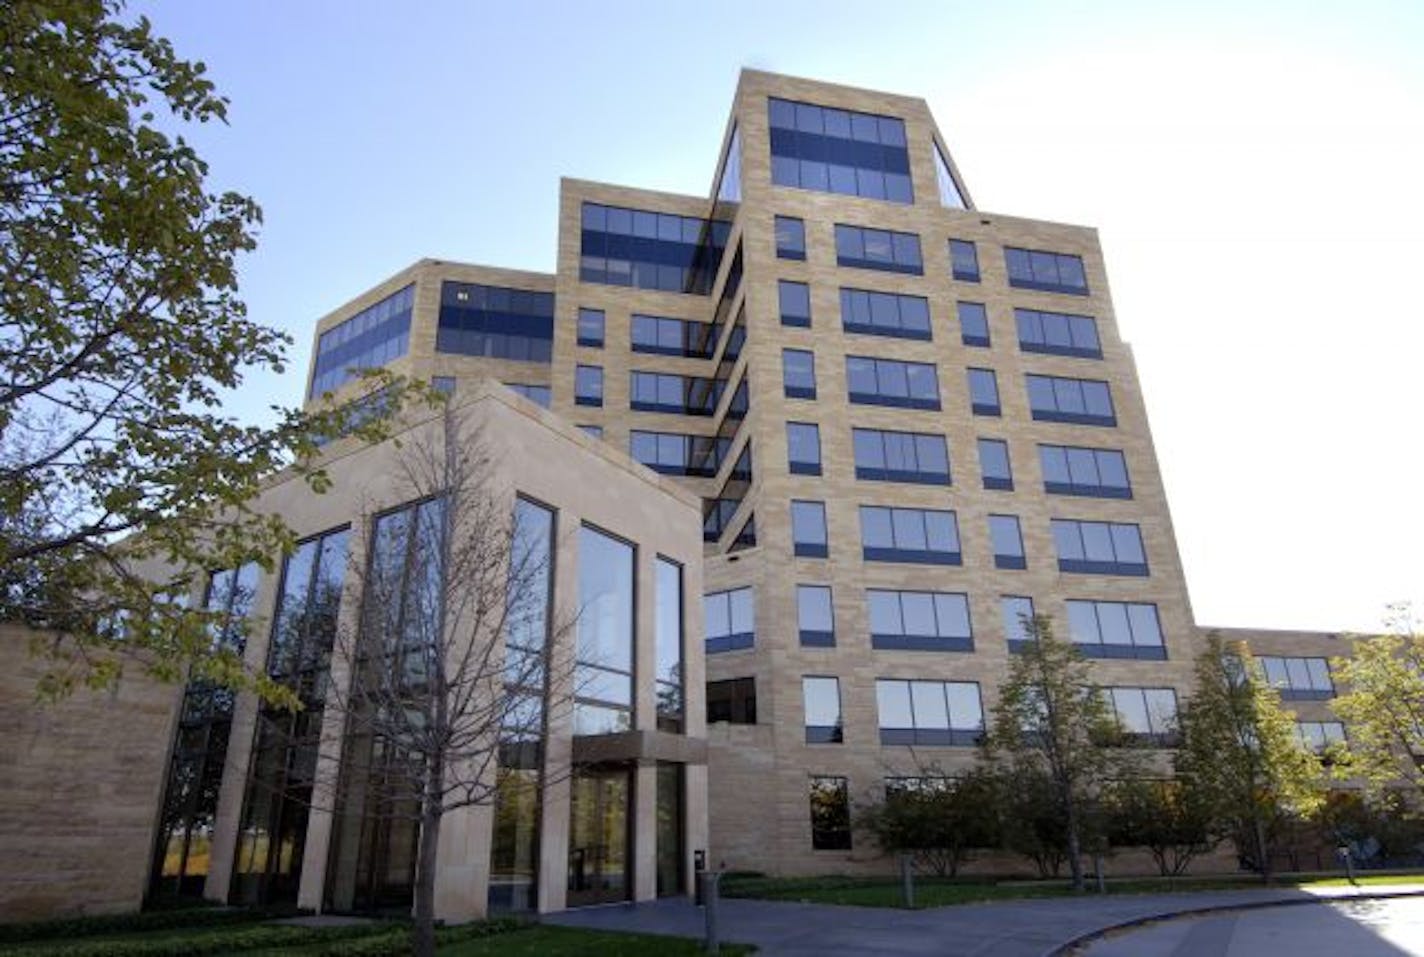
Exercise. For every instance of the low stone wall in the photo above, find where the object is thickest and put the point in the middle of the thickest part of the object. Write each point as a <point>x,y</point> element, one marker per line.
<point>82,780</point>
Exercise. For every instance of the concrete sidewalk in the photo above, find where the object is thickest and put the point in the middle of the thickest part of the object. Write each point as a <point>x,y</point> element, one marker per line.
<point>1030,928</point>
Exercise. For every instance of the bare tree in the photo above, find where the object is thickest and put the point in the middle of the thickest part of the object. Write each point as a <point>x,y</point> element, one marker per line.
<point>446,681</point>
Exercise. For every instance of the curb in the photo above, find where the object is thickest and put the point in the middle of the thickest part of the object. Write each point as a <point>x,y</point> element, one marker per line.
<point>1067,948</point>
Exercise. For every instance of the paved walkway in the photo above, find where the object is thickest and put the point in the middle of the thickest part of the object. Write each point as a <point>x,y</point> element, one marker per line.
<point>1031,928</point>
<point>1359,928</point>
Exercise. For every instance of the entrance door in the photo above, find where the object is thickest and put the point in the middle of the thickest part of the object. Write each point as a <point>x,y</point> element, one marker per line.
<point>598,836</point>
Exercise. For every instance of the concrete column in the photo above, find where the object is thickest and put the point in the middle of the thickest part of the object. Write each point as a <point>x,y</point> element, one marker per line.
<point>240,743</point>
<point>311,891</point>
<point>463,864</point>
<point>643,855</point>
<point>554,800</point>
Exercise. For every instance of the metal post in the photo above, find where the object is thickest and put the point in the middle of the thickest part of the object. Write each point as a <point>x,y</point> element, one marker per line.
<point>712,941</point>
<point>699,867</point>
<point>1102,878</point>
<point>907,879</point>
<point>1344,851</point>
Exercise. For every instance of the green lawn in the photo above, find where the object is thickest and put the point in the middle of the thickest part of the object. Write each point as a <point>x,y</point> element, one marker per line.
<point>256,938</point>
<point>943,892</point>
<point>548,941</point>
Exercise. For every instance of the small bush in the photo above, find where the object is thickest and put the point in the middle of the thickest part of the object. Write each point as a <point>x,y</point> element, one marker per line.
<point>168,919</point>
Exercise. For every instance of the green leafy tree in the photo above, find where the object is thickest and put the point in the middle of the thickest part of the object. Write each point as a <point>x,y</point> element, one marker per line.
<point>1383,704</point>
<point>1241,756</point>
<point>1031,819</point>
<point>938,819</point>
<point>121,333</point>
<point>1052,721</point>
<point>1170,820</point>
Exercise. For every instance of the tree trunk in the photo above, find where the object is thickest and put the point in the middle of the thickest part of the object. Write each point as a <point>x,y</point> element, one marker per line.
<point>430,816</point>
<point>1075,859</point>
<point>1262,858</point>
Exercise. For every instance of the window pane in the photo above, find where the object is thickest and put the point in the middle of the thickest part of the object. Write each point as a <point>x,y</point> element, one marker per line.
<point>742,611</point>
<point>1298,674</point>
<point>1145,628</point>
<point>909,526</point>
<point>808,523</point>
<point>884,613</point>
<point>919,614</point>
<point>1083,623</point>
<point>1112,619</point>
<point>1067,541</point>
<point>1319,674</point>
<point>822,700</point>
<point>1131,710</point>
<point>1015,610</point>
<point>875,527</point>
<point>1127,543</point>
<point>869,449</point>
<point>892,699</point>
<point>931,709</point>
<point>966,711</point>
<point>943,531</point>
<point>813,608</point>
<point>1097,542</point>
<point>952,612</point>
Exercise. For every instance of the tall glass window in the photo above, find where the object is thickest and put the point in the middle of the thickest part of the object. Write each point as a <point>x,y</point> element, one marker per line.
<point>514,845</point>
<point>190,798</point>
<point>949,194</point>
<point>373,856</point>
<point>603,693</point>
<point>283,770</point>
<point>815,617</point>
<point>671,707</point>
<point>368,340</point>
<point>821,698</point>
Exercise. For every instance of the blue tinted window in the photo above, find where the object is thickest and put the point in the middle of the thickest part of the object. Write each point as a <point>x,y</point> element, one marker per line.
<point>1079,401</point>
<point>661,335</point>
<point>1114,629</point>
<point>808,529</point>
<point>885,314</point>
<point>925,536</point>
<point>919,620</point>
<point>994,464</point>
<point>661,392</point>
<point>590,327</point>
<point>963,260</point>
<point>973,324</point>
<point>1057,333</point>
<point>1017,614</point>
<point>368,340</point>
<point>730,620</point>
<point>1102,548</point>
<point>604,671</point>
<point>884,249</point>
<point>983,392</point>
<point>795,301</point>
<point>495,321</point>
<point>949,193</point>
<point>911,385</point>
<point>815,617</point>
<point>1072,470</point>
<point>729,180</point>
<point>929,712</point>
<point>839,151</point>
<point>900,456</point>
<point>588,385</point>
<point>1051,272</point>
<point>790,238</point>
<point>803,448</point>
<point>1007,541</point>
<point>647,250</point>
<point>798,373</point>
<point>673,453</point>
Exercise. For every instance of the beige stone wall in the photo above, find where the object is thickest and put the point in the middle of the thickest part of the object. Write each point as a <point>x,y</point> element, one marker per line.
<point>83,778</point>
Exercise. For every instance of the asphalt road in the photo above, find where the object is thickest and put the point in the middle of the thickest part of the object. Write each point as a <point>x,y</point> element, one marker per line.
<point>1365,928</point>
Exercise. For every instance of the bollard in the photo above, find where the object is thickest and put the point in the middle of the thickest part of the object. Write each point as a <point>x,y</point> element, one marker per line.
<point>907,879</point>
<point>699,867</point>
<point>1102,878</point>
<point>712,942</point>
<point>1344,851</point>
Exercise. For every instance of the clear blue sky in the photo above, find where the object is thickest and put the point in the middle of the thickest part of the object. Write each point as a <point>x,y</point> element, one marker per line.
<point>1255,171</point>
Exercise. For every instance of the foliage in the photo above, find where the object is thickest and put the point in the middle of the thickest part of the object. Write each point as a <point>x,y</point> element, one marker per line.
<point>937,818</point>
<point>148,921</point>
<point>1033,824</point>
<point>1379,828</point>
<point>1053,732</point>
<point>1383,704</point>
<point>1168,819</point>
<point>1241,757</point>
<point>121,332</point>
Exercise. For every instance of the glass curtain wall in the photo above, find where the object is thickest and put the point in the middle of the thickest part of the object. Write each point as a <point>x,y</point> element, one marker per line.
<point>282,777</point>
<point>377,827</point>
<point>190,798</point>
<point>514,849</point>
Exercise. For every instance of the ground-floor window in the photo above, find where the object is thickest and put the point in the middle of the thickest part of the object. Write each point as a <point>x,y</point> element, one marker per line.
<point>830,814</point>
